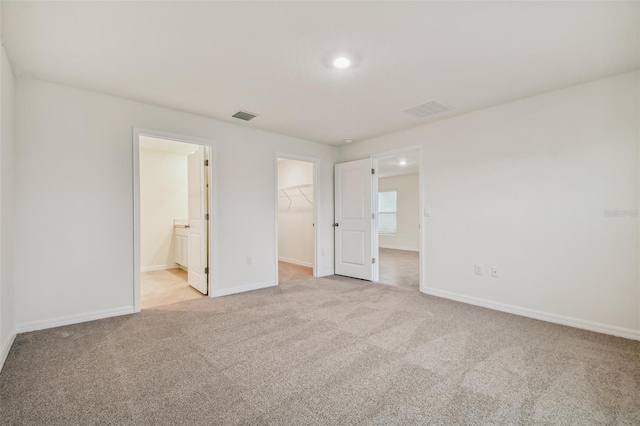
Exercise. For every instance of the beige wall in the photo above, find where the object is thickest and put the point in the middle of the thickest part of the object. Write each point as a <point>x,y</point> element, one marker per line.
<point>163,198</point>
<point>74,155</point>
<point>7,282</point>
<point>524,186</point>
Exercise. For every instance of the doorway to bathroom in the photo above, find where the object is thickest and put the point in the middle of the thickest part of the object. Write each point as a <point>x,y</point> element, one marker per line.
<point>173,200</point>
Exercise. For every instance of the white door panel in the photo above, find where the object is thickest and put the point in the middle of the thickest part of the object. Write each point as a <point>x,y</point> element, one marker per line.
<point>353,183</point>
<point>197,241</point>
<point>352,242</point>
<point>353,219</point>
<point>185,251</point>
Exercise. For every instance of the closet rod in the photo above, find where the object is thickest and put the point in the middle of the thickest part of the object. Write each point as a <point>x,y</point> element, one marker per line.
<point>296,187</point>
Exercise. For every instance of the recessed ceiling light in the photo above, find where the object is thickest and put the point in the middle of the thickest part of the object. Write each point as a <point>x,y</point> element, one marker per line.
<point>348,140</point>
<point>402,162</point>
<point>341,62</point>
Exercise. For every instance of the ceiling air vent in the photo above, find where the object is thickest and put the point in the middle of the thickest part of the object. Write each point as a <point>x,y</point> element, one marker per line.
<point>244,115</point>
<point>428,109</point>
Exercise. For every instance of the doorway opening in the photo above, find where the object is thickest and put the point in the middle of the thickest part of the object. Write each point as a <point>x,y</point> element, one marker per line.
<point>295,219</point>
<point>172,199</point>
<point>377,211</point>
<point>398,200</point>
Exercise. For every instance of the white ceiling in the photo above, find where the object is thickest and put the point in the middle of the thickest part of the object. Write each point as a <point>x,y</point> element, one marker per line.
<point>390,166</point>
<point>272,58</point>
<point>164,145</point>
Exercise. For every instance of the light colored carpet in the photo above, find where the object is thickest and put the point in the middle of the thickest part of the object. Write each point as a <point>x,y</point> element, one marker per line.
<point>325,352</point>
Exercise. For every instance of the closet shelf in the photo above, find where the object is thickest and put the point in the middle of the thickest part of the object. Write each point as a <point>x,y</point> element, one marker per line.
<point>298,188</point>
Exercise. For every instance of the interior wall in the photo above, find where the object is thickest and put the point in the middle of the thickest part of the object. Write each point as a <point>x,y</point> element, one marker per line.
<point>74,155</point>
<point>408,235</point>
<point>529,187</point>
<point>163,198</point>
<point>7,299</point>
<point>295,219</point>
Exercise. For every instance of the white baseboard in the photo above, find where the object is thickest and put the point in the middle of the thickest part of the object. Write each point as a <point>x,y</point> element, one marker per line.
<point>400,248</point>
<point>242,288</point>
<point>326,273</point>
<point>296,262</point>
<point>159,267</point>
<point>613,330</point>
<point>6,347</point>
<point>73,319</point>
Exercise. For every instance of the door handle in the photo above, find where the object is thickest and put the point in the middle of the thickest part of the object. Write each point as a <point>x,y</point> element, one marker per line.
<point>187,226</point>
<point>336,224</point>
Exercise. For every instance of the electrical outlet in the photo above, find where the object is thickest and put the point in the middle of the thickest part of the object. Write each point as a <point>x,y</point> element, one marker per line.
<point>495,272</point>
<point>478,268</point>
<point>249,261</point>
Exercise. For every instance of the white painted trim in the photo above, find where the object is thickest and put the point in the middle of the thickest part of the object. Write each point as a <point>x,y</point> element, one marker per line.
<point>375,236</point>
<point>243,288</point>
<point>421,251</point>
<point>74,319</point>
<point>159,267</point>
<point>213,205</point>
<point>296,262</point>
<point>400,248</point>
<point>627,333</point>
<point>6,347</point>
<point>316,209</point>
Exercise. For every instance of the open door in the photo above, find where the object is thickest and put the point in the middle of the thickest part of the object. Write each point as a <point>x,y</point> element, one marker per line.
<point>354,220</point>
<point>198,216</point>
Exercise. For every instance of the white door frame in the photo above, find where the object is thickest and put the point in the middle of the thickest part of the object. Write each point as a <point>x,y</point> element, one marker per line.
<point>316,208</point>
<point>418,148</point>
<point>213,212</point>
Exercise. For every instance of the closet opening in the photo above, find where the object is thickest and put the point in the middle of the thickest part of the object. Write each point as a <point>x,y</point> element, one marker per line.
<point>295,219</point>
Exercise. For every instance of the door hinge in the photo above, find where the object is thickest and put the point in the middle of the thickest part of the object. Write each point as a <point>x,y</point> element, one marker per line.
<point>206,216</point>
<point>373,215</point>
<point>206,270</point>
<point>373,260</point>
<point>206,162</point>
<point>373,171</point>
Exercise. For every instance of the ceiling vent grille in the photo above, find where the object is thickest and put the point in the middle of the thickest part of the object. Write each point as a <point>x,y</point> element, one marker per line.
<point>428,109</point>
<point>244,115</point>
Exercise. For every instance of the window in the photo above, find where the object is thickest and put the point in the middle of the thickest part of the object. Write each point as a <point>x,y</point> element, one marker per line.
<point>388,212</point>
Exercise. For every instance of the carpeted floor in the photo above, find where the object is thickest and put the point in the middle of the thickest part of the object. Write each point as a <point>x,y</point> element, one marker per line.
<point>320,351</point>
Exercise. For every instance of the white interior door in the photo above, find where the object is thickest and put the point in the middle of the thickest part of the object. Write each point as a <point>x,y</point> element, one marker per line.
<point>197,252</point>
<point>354,222</point>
